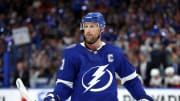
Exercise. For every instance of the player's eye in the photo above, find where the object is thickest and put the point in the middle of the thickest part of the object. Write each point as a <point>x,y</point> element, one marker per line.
<point>91,26</point>
<point>85,26</point>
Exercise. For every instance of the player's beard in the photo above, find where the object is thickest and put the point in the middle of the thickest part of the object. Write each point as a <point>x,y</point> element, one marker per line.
<point>91,40</point>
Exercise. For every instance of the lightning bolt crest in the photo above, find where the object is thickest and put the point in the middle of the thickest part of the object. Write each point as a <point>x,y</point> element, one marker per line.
<point>98,74</point>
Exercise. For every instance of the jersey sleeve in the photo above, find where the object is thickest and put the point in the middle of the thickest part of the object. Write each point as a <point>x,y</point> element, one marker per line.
<point>66,76</point>
<point>124,68</point>
<point>129,78</point>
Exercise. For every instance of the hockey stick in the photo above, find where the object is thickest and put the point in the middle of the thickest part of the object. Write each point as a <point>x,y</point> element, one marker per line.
<point>23,90</point>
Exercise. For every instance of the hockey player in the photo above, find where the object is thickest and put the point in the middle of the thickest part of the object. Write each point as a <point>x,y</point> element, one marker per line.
<point>88,68</point>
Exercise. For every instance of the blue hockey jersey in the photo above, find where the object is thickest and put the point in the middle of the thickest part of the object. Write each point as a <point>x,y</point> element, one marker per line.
<point>88,75</point>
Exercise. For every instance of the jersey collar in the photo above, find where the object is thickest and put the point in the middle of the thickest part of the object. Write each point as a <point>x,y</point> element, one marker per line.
<point>83,44</point>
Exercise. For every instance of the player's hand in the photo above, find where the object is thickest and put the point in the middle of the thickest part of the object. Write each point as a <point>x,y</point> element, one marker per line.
<point>50,97</point>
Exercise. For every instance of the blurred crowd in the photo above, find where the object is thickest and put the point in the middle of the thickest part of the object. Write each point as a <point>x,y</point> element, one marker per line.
<point>148,31</point>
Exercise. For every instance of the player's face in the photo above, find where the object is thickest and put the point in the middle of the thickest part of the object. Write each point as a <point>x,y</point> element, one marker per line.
<point>91,32</point>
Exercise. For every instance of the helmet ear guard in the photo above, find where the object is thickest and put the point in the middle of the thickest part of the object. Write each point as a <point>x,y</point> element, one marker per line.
<point>95,17</point>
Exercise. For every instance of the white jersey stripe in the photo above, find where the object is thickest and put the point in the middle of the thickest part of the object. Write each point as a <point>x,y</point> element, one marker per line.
<point>68,83</point>
<point>129,77</point>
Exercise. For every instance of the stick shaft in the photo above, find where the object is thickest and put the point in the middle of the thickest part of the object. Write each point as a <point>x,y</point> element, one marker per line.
<point>23,90</point>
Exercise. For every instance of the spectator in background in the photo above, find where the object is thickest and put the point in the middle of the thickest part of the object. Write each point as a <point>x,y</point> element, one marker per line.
<point>45,75</point>
<point>178,53</point>
<point>158,56</point>
<point>1,73</point>
<point>67,38</point>
<point>156,79</point>
<point>122,40</point>
<point>144,69</point>
<point>33,77</point>
<point>171,79</point>
<point>176,22</point>
<point>109,35</point>
<point>23,73</point>
<point>2,46</point>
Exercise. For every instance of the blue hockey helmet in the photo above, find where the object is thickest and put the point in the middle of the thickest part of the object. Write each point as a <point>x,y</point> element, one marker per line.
<point>96,17</point>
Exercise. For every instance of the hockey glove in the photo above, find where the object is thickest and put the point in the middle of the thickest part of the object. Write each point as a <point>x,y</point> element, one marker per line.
<point>51,97</point>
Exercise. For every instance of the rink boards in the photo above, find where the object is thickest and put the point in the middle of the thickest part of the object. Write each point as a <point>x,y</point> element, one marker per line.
<point>123,95</point>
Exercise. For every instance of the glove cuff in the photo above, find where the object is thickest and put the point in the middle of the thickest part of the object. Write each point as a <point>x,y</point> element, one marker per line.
<point>54,97</point>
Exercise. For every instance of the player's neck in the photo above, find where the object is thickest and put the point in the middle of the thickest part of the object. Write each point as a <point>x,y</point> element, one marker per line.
<point>94,46</point>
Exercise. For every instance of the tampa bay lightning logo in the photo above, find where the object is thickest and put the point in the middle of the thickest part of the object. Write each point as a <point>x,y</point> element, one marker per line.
<point>96,75</point>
